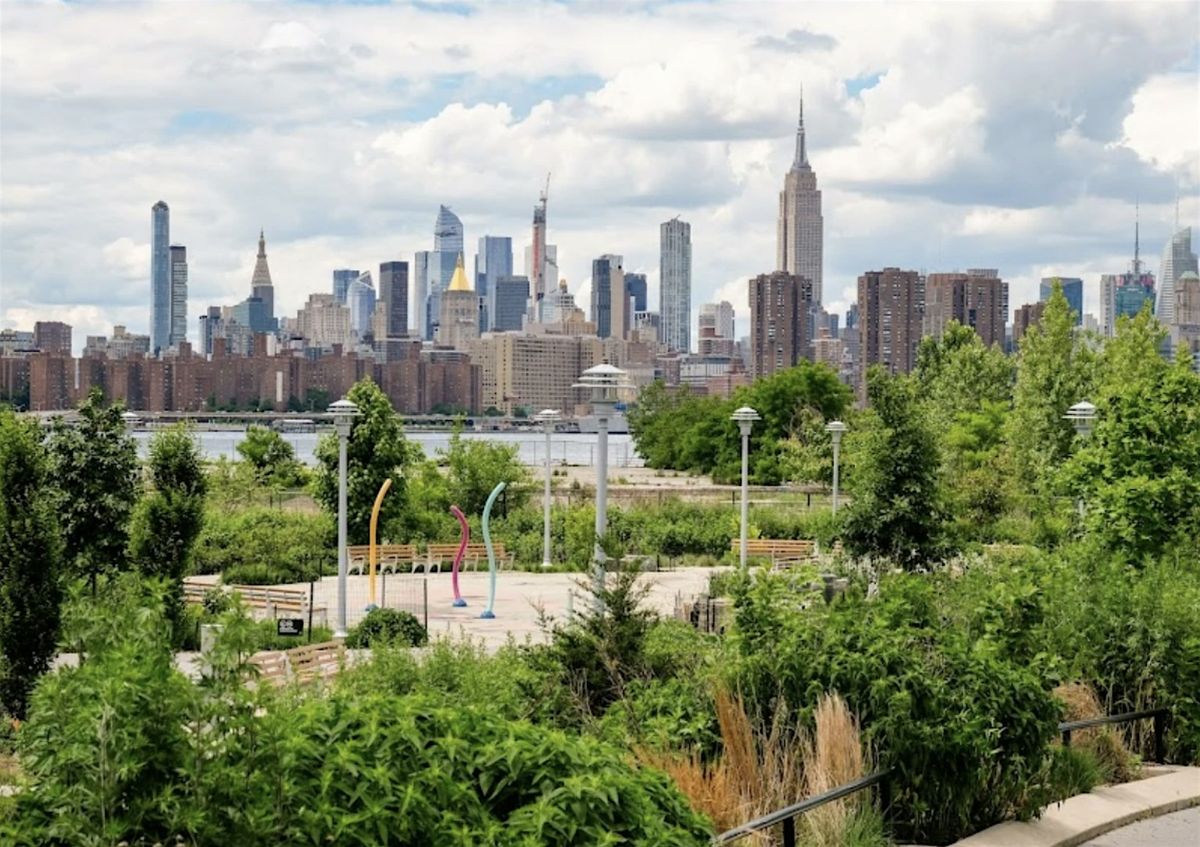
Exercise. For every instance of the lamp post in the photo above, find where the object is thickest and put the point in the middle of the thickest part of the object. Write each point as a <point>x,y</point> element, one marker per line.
<point>1082,416</point>
<point>130,419</point>
<point>835,430</point>
<point>343,412</point>
<point>603,382</point>
<point>745,418</point>
<point>547,417</point>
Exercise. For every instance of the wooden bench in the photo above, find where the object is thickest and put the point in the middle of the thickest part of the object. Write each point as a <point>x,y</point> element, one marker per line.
<point>778,550</point>
<point>194,592</point>
<point>389,557</point>
<point>301,664</point>
<point>316,661</point>
<point>272,600</point>
<point>439,556</point>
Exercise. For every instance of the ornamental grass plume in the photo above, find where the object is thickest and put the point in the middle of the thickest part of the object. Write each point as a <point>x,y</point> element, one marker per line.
<point>1103,743</point>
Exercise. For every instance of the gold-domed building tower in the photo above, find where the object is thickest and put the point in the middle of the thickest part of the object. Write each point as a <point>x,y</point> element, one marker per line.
<point>460,311</point>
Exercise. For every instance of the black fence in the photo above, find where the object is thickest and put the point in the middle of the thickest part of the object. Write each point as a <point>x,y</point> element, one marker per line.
<point>786,817</point>
<point>1159,716</point>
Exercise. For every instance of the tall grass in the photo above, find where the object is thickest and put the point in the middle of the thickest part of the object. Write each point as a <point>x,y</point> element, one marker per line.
<point>763,767</point>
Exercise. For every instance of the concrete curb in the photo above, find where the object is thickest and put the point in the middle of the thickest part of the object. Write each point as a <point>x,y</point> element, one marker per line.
<point>1086,816</point>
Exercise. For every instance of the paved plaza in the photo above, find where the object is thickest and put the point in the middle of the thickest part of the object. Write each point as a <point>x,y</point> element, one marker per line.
<point>520,595</point>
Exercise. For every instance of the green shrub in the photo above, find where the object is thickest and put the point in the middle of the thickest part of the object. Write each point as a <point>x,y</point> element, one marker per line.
<point>1072,771</point>
<point>966,730</point>
<point>387,626</point>
<point>262,546</point>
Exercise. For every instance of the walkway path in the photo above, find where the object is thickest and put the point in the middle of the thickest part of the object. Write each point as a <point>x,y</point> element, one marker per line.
<point>1180,829</point>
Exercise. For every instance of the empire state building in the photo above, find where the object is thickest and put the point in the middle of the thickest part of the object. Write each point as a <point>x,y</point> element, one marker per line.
<point>801,227</point>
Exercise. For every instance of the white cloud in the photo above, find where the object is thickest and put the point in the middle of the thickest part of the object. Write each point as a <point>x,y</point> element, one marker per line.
<point>997,135</point>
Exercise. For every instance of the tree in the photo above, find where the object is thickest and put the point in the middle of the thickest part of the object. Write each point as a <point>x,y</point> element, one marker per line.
<point>271,456</point>
<point>377,450</point>
<point>94,470</point>
<point>1055,370</point>
<point>168,520</point>
<point>30,563</point>
<point>476,467</point>
<point>957,373</point>
<point>1139,472</point>
<point>896,510</point>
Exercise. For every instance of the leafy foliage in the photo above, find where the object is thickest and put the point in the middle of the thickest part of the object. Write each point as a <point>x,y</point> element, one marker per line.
<point>1139,472</point>
<point>376,451</point>
<point>168,520</point>
<point>30,563</point>
<point>896,510</point>
<point>94,469</point>
<point>261,545</point>
<point>271,456</point>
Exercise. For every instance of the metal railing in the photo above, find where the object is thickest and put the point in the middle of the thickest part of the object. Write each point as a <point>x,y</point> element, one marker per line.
<point>1160,727</point>
<point>787,815</point>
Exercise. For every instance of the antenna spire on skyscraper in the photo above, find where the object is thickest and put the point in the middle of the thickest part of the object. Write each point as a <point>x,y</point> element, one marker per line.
<point>801,160</point>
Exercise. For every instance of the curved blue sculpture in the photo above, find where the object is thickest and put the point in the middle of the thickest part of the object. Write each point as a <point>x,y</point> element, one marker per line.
<point>487,542</point>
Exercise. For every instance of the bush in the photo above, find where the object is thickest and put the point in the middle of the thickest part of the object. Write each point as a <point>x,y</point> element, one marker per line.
<point>262,546</point>
<point>966,731</point>
<point>387,626</point>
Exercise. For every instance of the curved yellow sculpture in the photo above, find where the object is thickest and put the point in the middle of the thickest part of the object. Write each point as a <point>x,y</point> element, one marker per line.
<point>373,553</point>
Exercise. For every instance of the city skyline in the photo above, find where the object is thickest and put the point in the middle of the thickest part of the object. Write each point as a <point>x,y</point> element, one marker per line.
<point>934,171</point>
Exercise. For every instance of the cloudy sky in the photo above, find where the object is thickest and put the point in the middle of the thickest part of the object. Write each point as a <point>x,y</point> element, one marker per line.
<point>944,136</point>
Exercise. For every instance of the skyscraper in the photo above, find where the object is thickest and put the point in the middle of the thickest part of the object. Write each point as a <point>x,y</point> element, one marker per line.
<point>493,261</point>
<point>675,283</point>
<point>1127,293</point>
<point>393,293</point>
<point>458,323</point>
<point>179,285</point>
<point>342,278</point>
<point>442,261</point>
<point>973,299</point>
<point>1177,259</point>
<point>160,276</point>
<point>210,328</point>
<point>891,305</point>
<point>779,307</point>
<point>635,287</point>
<point>510,295</point>
<point>1072,288</point>
<point>361,299</point>
<point>720,316</point>
<point>800,236</point>
<point>608,292</point>
<point>262,288</point>
<point>421,293</point>
<point>538,270</point>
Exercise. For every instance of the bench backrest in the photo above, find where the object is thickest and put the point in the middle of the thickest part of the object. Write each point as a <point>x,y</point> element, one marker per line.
<point>272,666</point>
<point>473,550</point>
<point>775,546</point>
<point>363,551</point>
<point>316,660</point>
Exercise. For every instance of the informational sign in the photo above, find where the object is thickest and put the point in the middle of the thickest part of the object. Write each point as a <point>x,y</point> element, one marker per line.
<point>289,626</point>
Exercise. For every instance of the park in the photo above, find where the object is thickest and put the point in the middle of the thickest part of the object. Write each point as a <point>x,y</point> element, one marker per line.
<point>984,627</point>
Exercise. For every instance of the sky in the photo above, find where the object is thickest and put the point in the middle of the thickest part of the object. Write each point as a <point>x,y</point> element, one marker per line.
<point>944,136</point>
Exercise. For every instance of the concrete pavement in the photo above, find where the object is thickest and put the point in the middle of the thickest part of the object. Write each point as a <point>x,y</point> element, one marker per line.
<point>1179,829</point>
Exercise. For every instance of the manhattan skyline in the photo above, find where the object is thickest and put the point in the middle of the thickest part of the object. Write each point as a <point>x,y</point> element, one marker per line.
<point>340,129</point>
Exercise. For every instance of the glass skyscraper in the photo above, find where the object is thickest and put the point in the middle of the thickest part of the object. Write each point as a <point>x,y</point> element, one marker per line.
<point>441,261</point>
<point>393,291</point>
<point>1177,259</point>
<point>1072,289</point>
<point>179,285</point>
<point>675,284</point>
<point>341,283</point>
<point>361,298</point>
<point>493,261</point>
<point>160,277</point>
<point>635,287</point>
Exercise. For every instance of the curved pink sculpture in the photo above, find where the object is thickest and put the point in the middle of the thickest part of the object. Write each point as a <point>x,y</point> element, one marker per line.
<point>458,557</point>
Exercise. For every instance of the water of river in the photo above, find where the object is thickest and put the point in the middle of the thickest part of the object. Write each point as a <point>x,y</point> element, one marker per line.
<point>572,448</point>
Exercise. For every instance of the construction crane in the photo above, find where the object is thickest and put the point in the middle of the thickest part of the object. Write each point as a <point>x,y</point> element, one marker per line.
<point>545,195</point>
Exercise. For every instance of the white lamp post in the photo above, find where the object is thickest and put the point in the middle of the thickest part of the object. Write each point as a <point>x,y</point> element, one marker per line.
<point>130,419</point>
<point>547,417</point>
<point>835,430</point>
<point>1082,416</point>
<point>603,382</point>
<point>343,412</point>
<point>745,418</point>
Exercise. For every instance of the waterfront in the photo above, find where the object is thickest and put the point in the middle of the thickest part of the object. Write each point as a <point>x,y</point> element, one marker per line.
<point>568,448</point>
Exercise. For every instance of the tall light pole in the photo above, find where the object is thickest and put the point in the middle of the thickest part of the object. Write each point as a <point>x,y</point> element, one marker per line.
<point>603,382</point>
<point>745,418</point>
<point>343,412</point>
<point>547,417</point>
<point>835,430</point>
<point>1082,416</point>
